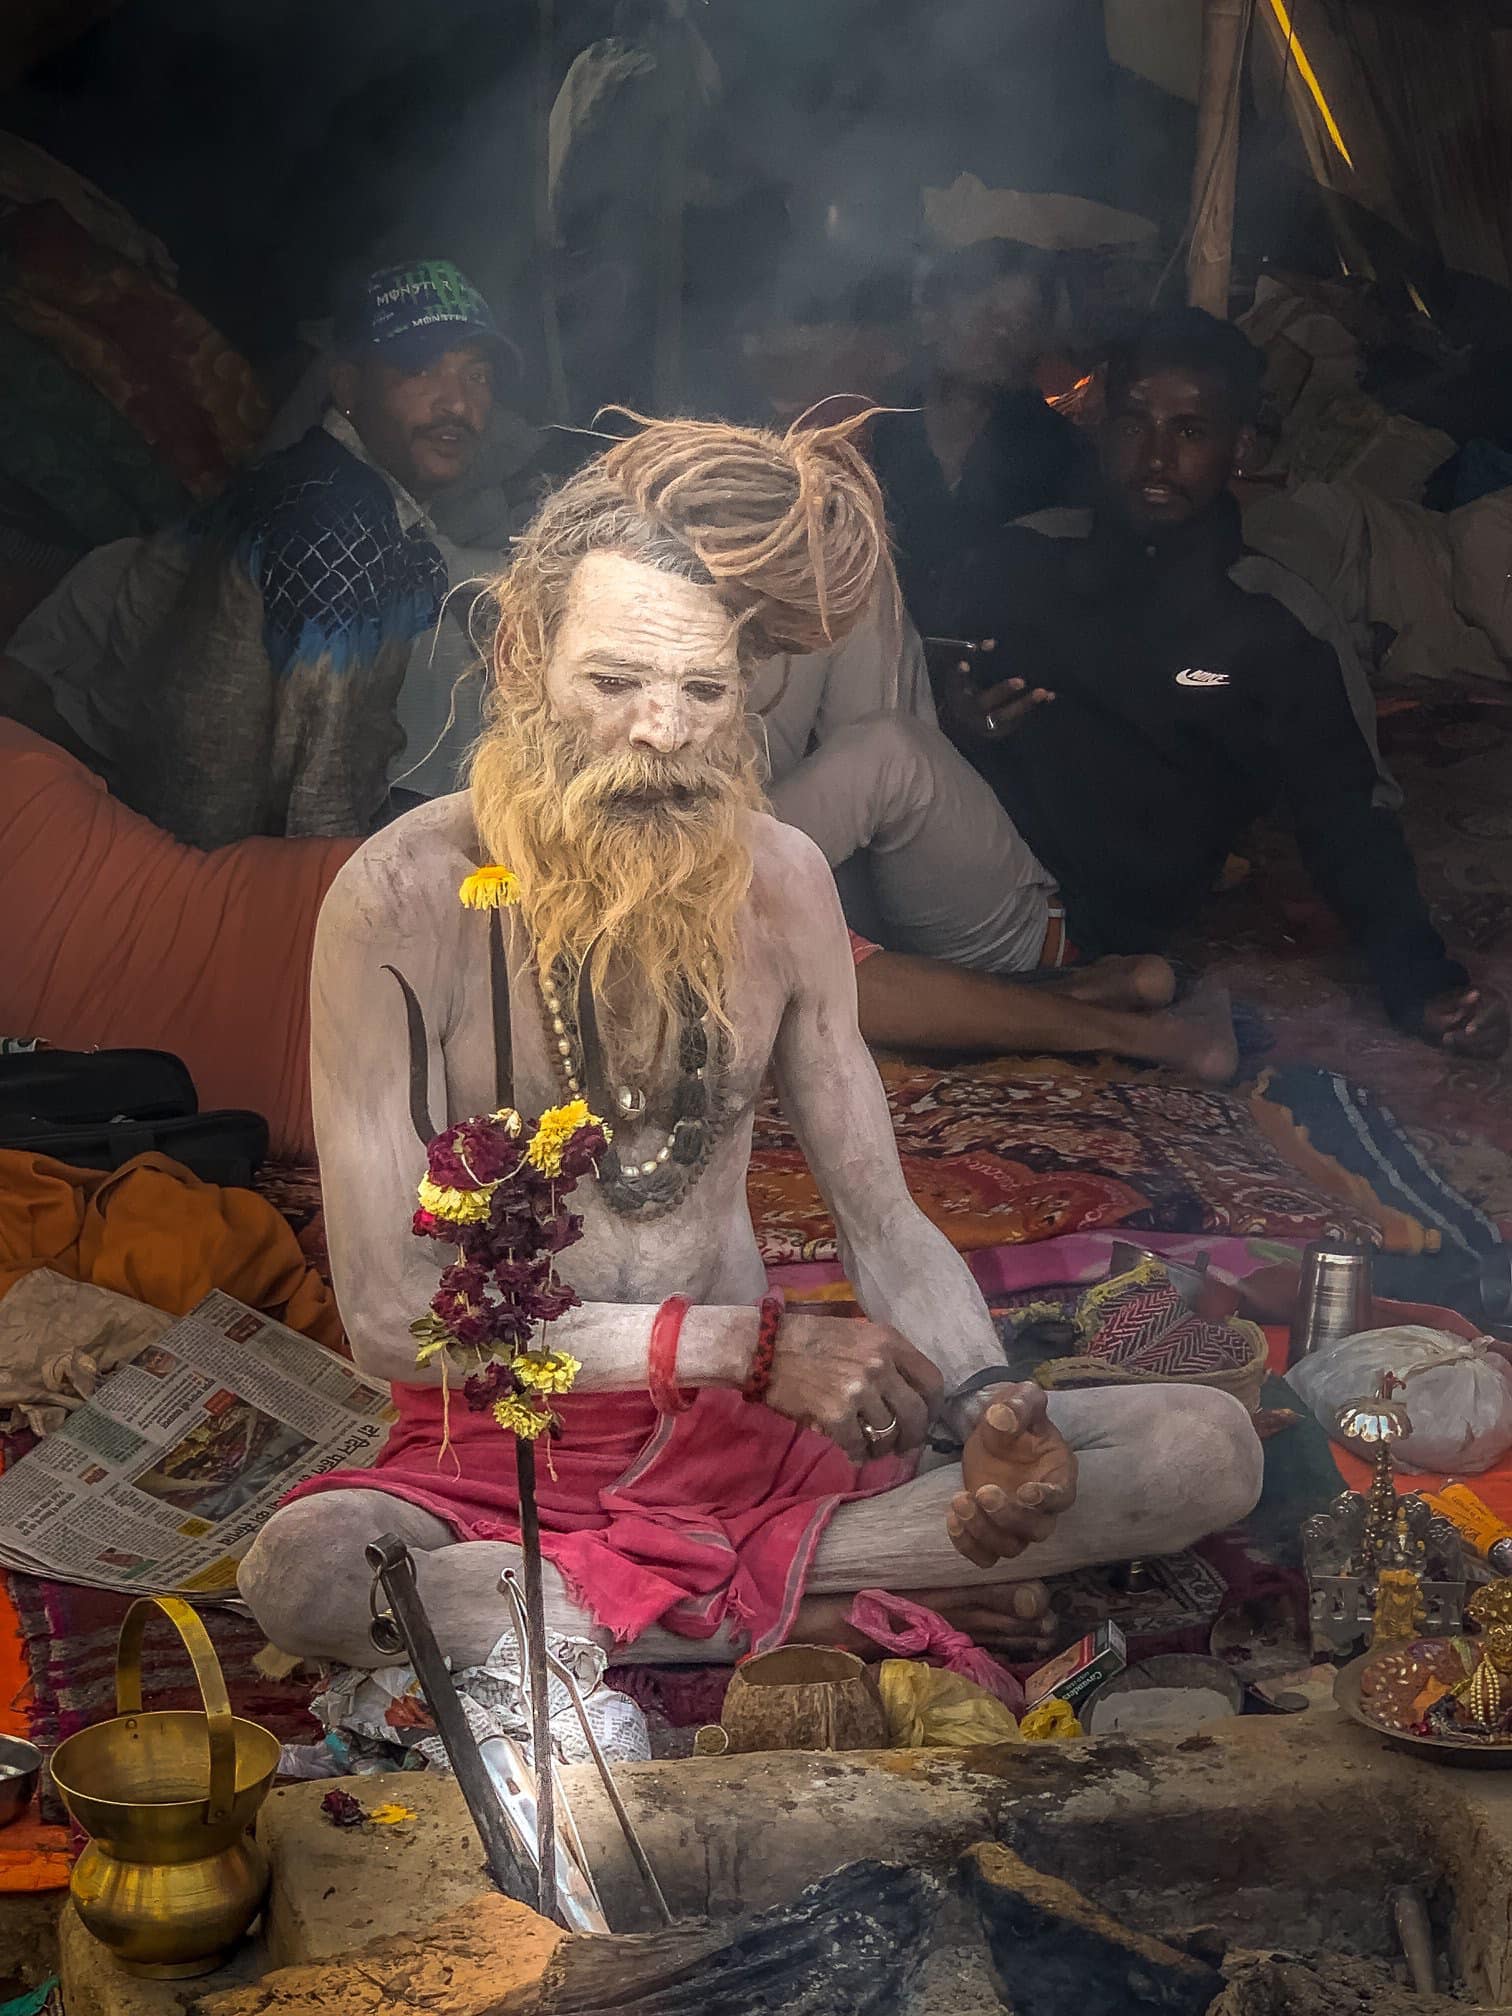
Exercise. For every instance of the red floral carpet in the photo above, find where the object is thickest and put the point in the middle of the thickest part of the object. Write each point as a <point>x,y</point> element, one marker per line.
<point>1028,1148</point>
<point>1275,944</point>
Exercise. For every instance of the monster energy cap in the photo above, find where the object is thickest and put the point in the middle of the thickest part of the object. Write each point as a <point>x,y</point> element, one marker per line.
<point>409,314</point>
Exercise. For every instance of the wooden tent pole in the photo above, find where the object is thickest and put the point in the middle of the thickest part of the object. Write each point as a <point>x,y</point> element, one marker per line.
<point>674,81</point>
<point>1211,228</point>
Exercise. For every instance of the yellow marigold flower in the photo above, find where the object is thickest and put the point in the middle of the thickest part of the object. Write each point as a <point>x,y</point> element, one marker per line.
<point>490,889</point>
<point>1052,1721</point>
<point>557,1127</point>
<point>460,1207</point>
<point>518,1417</point>
<point>548,1372</point>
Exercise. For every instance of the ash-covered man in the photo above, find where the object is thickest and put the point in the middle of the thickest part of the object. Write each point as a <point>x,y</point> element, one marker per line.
<point>617,779</point>
<point>266,668</point>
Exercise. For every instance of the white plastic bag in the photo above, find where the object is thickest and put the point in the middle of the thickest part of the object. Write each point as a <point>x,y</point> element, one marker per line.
<point>1457,1393</point>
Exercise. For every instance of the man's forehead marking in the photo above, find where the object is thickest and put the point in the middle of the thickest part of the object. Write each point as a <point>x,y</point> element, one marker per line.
<point>620,661</point>
<point>1204,387</point>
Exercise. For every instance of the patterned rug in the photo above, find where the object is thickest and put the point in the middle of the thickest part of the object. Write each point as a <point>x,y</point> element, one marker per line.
<point>1030,1148</point>
<point>1275,944</point>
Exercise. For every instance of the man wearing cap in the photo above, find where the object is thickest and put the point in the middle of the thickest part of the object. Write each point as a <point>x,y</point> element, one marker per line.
<point>251,671</point>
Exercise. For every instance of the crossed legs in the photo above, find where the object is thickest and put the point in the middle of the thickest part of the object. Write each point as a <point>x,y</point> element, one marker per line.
<point>1159,1467</point>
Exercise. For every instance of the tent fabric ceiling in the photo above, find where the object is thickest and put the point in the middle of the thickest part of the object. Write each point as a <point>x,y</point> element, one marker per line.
<point>1427,95</point>
<point>1420,92</point>
<point>1159,40</point>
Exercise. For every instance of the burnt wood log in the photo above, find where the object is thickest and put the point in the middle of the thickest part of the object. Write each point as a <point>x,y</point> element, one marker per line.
<point>850,1945</point>
<point>1056,1953</point>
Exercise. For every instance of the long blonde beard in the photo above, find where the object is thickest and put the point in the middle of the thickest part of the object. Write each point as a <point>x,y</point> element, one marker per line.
<point>648,894</point>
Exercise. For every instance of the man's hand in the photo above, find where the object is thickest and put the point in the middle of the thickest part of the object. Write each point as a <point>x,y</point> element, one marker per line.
<point>992,713</point>
<point>843,1376</point>
<point>998,711</point>
<point>1472,1022</point>
<point>1018,1474</point>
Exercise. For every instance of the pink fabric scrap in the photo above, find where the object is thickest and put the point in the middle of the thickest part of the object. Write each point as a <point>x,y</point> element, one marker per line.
<point>912,1631</point>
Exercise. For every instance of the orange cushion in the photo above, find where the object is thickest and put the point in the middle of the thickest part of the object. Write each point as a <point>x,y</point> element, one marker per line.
<point>118,936</point>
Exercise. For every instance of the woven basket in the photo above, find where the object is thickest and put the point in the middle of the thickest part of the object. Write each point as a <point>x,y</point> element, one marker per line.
<point>1244,1379</point>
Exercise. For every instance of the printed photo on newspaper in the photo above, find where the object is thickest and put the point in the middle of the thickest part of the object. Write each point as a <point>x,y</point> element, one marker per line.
<point>161,1481</point>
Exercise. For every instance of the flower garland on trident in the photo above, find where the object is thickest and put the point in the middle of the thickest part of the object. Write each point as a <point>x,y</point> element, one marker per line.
<point>497,1189</point>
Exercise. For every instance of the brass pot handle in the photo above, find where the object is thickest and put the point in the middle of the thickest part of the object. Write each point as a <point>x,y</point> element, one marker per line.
<point>207,1672</point>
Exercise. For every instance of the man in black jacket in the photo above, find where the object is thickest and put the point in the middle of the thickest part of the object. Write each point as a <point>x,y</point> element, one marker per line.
<point>1166,689</point>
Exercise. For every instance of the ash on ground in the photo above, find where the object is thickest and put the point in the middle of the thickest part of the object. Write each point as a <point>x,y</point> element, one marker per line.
<point>1328,1984</point>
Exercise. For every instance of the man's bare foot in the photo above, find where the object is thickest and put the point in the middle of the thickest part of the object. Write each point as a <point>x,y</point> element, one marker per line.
<point>1142,981</point>
<point>1011,1620</point>
<point>1201,1029</point>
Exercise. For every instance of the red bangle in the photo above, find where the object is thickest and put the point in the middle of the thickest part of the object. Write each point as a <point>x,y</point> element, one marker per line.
<point>661,1359</point>
<point>760,1375</point>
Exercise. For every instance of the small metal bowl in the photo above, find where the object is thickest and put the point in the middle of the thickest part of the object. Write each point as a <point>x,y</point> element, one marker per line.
<point>1180,1670</point>
<point>20,1770</point>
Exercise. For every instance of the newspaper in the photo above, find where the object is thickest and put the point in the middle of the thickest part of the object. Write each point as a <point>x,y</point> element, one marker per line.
<point>160,1483</point>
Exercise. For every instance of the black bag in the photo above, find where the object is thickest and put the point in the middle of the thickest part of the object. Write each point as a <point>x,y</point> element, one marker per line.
<point>57,1087</point>
<point>98,1108</point>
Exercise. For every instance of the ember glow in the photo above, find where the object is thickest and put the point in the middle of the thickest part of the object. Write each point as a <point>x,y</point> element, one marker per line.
<point>1060,400</point>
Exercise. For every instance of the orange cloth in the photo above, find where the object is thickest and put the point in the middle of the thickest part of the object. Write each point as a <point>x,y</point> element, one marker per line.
<point>15,1674</point>
<point>33,1856</point>
<point>117,936</point>
<point>154,1231</point>
<point>1493,1487</point>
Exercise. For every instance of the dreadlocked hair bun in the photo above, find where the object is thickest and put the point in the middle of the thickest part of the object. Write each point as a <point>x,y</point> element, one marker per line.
<point>791,528</point>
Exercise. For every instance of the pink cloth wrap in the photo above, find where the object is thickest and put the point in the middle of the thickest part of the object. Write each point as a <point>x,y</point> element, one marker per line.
<point>911,1631</point>
<point>695,1520</point>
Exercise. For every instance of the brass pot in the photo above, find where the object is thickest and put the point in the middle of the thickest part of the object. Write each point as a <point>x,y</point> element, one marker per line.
<point>171,1878</point>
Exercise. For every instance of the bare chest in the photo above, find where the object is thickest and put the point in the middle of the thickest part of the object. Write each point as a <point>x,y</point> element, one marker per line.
<point>700,1242</point>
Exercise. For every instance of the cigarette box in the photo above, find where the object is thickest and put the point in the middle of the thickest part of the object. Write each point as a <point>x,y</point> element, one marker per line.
<point>1074,1673</point>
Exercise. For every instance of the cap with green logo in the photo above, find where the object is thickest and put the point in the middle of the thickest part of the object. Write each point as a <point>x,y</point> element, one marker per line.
<point>409,314</point>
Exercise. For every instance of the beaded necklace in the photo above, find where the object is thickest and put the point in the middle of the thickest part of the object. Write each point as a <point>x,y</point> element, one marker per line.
<point>693,1115</point>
